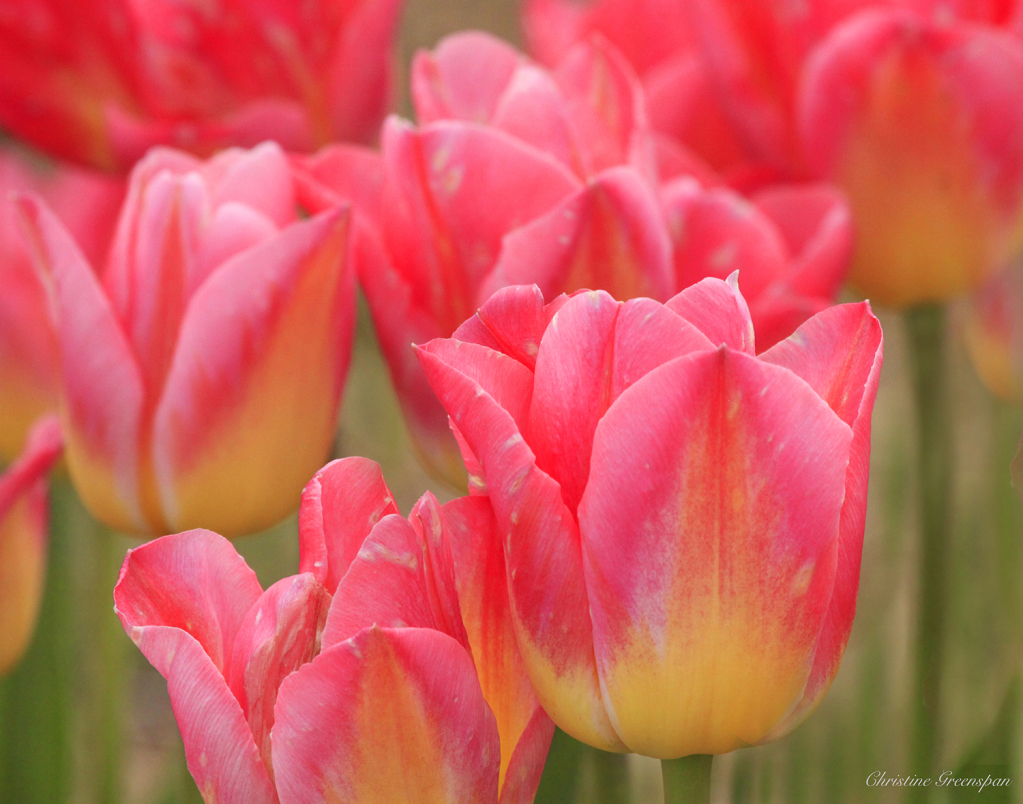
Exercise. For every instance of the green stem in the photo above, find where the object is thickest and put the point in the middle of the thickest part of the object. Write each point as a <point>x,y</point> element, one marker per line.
<point>687,780</point>
<point>36,698</point>
<point>611,774</point>
<point>926,326</point>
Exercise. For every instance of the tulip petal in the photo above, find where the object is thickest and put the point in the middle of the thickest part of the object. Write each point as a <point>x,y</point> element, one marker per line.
<point>544,569</point>
<point>463,78</point>
<point>339,174</point>
<point>103,390</point>
<point>480,577</point>
<point>394,583</point>
<point>280,633</point>
<point>709,573</point>
<point>183,600</point>
<point>608,236</point>
<point>719,311</point>
<point>572,389</point>
<point>24,520</point>
<point>258,371</point>
<point>839,353</point>
<point>511,321</point>
<point>387,716</point>
<point>340,506</point>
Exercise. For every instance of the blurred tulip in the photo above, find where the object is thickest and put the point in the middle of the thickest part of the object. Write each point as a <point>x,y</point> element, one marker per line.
<point>201,376</point>
<point>993,329</point>
<point>658,41</point>
<point>24,522</point>
<point>792,246</point>
<point>87,203</point>
<point>101,82</point>
<point>293,695</point>
<point>682,520</point>
<point>921,124</point>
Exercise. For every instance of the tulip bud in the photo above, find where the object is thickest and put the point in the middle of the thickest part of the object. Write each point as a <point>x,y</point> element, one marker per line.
<point>200,379</point>
<point>24,523</point>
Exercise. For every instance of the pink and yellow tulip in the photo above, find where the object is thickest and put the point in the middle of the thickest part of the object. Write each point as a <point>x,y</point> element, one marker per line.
<point>87,203</point>
<point>682,520</point>
<point>385,671</point>
<point>24,521</point>
<point>101,82</point>
<point>201,375</point>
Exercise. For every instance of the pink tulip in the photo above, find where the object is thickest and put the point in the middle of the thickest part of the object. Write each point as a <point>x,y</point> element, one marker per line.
<point>682,520</point>
<point>23,536</point>
<point>791,245</point>
<point>385,671</point>
<point>101,82</point>
<point>200,378</point>
<point>87,203</point>
<point>658,40</point>
<point>912,108</point>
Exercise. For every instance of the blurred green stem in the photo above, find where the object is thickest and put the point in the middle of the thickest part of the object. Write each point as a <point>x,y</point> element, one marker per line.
<point>36,698</point>
<point>926,328</point>
<point>687,780</point>
<point>611,777</point>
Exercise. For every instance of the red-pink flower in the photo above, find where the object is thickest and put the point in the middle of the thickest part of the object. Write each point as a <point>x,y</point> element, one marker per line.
<point>87,203</point>
<point>914,112</point>
<point>519,175</point>
<point>24,529</point>
<point>201,375</point>
<point>101,82</point>
<point>682,519</point>
<point>385,671</point>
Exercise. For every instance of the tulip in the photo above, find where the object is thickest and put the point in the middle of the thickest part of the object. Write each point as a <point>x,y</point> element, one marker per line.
<point>682,520</point>
<point>201,377</point>
<point>385,671</point>
<point>659,42</point>
<point>23,536</point>
<point>87,203</point>
<point>792,244</point>
<point>101,82</point>
<point>920,124</point>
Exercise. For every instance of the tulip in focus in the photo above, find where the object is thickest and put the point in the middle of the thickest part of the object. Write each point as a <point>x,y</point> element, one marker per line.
<point>201,375</point>
<point>24,523</point>
<point>87,203</point>
<point>100,82</point>
<point>682,519</point>
<point>385,671</point>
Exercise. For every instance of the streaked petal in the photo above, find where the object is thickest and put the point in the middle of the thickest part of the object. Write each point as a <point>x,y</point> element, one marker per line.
<point>609,236</point>
<point>719,311</point>
<point>258,370</point>
<point>24,523</point>
<point>103,390</point>
<point>709,573</point>
<point>388,716</point>
<point>340,506</point>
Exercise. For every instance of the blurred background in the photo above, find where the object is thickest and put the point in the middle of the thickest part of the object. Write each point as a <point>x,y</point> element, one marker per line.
<point>862,727</point>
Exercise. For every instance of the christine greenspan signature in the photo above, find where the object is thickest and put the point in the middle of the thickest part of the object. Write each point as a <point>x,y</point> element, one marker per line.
<point>946,779</point>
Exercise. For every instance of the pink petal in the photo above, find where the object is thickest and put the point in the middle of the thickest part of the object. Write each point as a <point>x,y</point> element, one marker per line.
<point>280,633</point>
<point>192,581</point>
<point>339,174</point>
<point>480,577</point>
<point>716,232</point>
<point>839,352</point>
<point>719,311</point>
<point>390,715</point>
<point>544,563</point>
<point>511,321</point>
<point>259,178</point>
<point>241,427</point>
<point>463,78</point>
<point>609,236</point>
<point>24,525</point>
<point>340,506</point>
<point>710,572</point>
<point>102,387</point>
